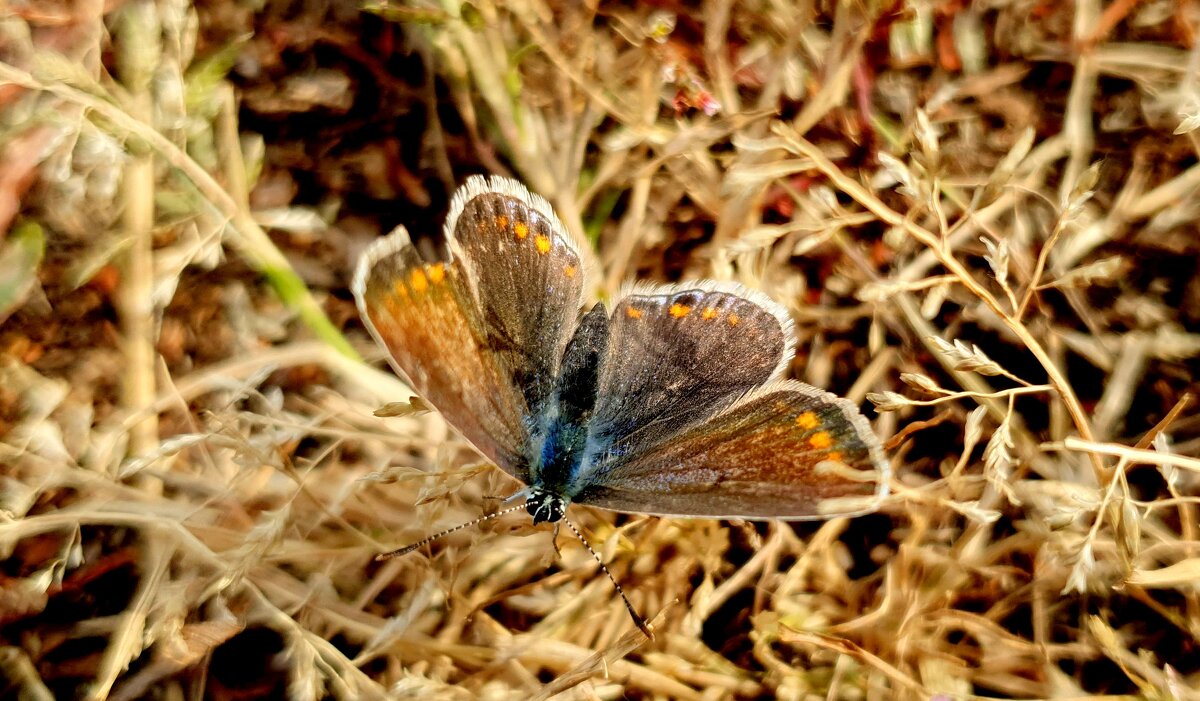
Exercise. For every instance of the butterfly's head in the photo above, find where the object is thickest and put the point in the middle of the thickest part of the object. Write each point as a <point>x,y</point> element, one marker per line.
<point>544,506</point>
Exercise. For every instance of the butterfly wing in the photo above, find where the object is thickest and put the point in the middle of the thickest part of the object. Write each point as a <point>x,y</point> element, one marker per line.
<point>784,451</point>
<point>678,354</point>
<point>479,335</point>
<point>527,278</point>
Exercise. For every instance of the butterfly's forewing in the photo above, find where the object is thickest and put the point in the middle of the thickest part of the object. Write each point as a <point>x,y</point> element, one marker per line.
<point>455,328</point>
<point>676,355</point>
<point>527,276</point>
<point>786,451</point>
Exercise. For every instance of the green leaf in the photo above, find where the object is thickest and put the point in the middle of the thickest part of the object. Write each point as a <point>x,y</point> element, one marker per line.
<point>204,75</point>
<point>20,257</point>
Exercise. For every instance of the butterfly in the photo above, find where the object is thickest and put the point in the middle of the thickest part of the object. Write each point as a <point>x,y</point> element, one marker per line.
<point>671,403</point>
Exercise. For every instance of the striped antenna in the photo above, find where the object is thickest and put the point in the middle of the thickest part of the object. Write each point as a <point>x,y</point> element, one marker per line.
<point>425,541</point>
<point>637,619</point>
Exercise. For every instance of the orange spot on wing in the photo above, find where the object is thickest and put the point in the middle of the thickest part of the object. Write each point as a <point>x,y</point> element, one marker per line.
<point>419,282</point>
<point>542,243</point>
<point>570,271</point>
<point>708,313</point>
<point>734,319</point>
<point>437,272</point>
<point>820,440</point>
<point>633,313</point>
<point>502,222</point>
<point>679,311</point>
<point>834,456</point>
<point>521,229</point>
<point>808,420</point>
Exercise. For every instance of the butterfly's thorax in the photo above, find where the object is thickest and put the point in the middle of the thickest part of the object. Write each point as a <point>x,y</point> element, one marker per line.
<point>564,431</point>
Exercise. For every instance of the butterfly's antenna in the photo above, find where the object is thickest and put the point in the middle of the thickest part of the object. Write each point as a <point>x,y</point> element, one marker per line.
<point>409,548</point>
<point>637,619</point>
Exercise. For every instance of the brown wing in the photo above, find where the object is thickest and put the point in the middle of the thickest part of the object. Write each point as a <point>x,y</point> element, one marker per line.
<point>786,451</point>
<point>426,317</point>
<point>526,274</point>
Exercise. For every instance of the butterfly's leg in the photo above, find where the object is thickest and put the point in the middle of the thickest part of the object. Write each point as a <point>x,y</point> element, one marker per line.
<point>554,539</point>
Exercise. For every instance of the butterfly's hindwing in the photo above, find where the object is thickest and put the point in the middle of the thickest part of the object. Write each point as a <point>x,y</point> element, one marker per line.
<point>787,451</point>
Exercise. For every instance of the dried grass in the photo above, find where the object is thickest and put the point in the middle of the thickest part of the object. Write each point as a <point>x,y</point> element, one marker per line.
<point>982,218</point>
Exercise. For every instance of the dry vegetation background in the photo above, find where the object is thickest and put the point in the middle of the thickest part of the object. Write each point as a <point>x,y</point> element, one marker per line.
<point>983,216</point>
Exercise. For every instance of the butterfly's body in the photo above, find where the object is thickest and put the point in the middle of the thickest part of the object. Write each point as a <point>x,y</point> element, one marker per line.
<point>672,403</point>
<point>560,447</point>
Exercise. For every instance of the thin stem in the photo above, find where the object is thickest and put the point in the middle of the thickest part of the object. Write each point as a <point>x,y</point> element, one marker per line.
<point>1039,268</point>
<point>1133,455</point>
<point>1031,389</point>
